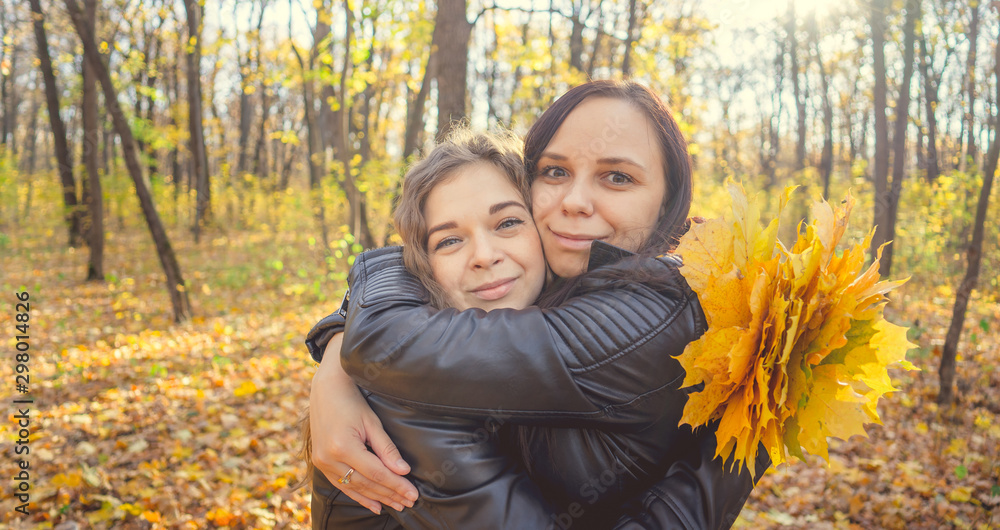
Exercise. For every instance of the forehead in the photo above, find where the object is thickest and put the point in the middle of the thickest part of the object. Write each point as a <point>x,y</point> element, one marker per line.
<point>470,187</point>
<point>607,127</point>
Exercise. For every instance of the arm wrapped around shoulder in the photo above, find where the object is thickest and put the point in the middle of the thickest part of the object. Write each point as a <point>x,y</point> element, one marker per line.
<point>595,356</point>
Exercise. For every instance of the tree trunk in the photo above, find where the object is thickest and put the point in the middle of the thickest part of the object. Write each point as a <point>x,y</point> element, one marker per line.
<point>853,132</point>
<point>140,81</point>
<point>172,91</point>
<point>946,373</point>
<point>150,105</point>
<point>91,143</point>
<point>633,23</point>
<point>451,31</point>
<point>970,86</point>
<point>260,153</point>
<point>592,60</point>
<point>5,79</point>
<point>286,167</point>
<point>9,99</point>
<point>259,167</point>
<point>415,111</point>
<point>64,157</point>
<point>770,161</point>
<point>899,135</point>
<point>29,165</point>
<point>576,38</point>
<point>414,122</point>
<point>342,127</point>
<point>175,281</point>
<point>826,158</point>
<point>107,139</point>
<point>246,113</point>
<point>245,116</point>
<point>31,138</point>
<point>800,99</point>
<point>220,138</point>
<point>930,105</point>
<point>314,141</point>
<point>197,141</point>
<point>881,171</point>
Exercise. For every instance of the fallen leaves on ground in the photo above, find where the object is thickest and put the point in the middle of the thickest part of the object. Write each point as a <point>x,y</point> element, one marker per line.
<point>138,423</point>
<point>141,423</point>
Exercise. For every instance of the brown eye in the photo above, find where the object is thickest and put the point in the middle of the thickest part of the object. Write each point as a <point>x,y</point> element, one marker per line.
<point>620,179</point>
<point>554,172</point>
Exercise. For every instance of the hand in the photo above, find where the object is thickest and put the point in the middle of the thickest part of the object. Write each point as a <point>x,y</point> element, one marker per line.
<point>342,424</point>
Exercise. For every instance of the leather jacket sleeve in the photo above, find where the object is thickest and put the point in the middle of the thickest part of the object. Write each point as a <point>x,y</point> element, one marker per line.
<point>699,491</point>
<point>595,358</point>
<point>324,330</point>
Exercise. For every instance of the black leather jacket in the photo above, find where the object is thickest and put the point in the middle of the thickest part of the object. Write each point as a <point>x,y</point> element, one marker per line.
<point>594,379</point>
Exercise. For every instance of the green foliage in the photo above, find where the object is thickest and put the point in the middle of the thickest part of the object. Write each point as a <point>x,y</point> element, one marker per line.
<point>934,229</point>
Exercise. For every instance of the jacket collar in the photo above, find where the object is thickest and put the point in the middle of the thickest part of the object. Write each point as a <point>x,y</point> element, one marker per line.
<point>602,254</point>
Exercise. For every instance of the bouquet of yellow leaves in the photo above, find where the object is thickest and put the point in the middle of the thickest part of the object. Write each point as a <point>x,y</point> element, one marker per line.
<point>797,347</point>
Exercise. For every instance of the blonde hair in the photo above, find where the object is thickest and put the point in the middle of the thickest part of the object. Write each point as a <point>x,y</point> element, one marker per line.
<point>462,147</point>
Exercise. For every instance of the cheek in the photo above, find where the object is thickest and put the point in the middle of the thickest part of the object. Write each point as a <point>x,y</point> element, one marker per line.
<point>445,273</point>
<point>527,250</point>
<point>633,221</point>
<point>543,199</point>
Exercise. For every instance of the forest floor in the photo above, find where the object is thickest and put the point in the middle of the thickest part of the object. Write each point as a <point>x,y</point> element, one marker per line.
<point>137,422</point>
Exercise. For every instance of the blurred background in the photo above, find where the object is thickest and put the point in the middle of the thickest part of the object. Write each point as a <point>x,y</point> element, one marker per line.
<point>184,184</point>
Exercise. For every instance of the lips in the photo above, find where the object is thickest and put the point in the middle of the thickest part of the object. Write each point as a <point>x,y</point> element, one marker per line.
<point>574,241</point>
<point>494,290</point>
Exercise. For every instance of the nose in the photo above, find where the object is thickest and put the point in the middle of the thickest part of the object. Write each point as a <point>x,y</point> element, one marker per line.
<point>578,199</point>
<point>485,254</point>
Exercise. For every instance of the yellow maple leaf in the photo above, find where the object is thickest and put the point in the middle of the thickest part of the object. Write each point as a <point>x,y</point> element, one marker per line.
<point>797,348</point>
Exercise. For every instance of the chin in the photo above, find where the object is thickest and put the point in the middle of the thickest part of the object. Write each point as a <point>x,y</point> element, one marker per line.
<point>505,304</point>
<point>570,270</point>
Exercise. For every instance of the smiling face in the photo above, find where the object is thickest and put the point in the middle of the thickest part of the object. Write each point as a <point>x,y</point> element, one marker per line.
<point>601,176</point>
<point>483,248</point>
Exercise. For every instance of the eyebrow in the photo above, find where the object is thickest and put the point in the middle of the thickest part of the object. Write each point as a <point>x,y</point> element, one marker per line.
<point>500,206</point>
<point>611,160</point>
<point>443,226</point>
<point>506,204</point>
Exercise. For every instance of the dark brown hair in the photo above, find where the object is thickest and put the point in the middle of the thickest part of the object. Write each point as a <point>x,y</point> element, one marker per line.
<point>676,162</point>
<point>672,222</point>
<point>670,225</point>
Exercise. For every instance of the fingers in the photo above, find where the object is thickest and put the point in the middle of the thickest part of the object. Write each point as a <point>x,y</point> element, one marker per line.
<point>372,505</point>
<point>380,483</point>
<point>371,484</point>
<point>388,453</point>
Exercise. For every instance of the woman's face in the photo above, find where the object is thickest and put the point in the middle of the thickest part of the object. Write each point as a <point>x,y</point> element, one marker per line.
<point>600,177</point>
<point>483,247</point>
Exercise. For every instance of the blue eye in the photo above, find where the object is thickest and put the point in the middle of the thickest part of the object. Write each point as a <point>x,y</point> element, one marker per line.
<point>509,222</point>
<point>446,242</point>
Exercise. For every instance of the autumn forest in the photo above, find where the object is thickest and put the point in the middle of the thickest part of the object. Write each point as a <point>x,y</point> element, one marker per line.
<point>185,184</point>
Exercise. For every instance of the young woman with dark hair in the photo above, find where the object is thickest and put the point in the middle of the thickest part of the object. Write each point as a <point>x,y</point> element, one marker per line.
<point>590,383</point>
